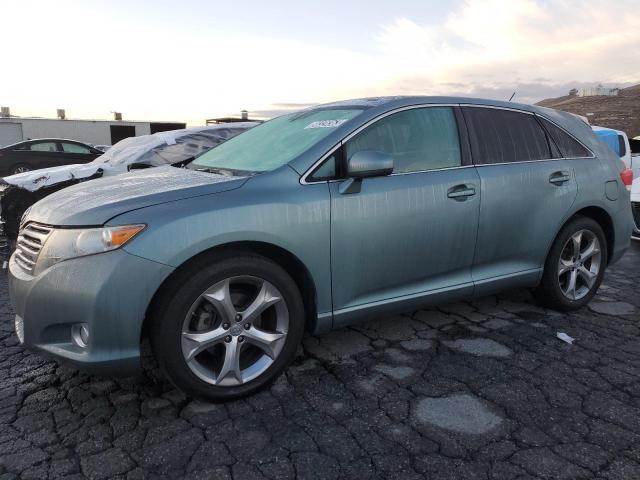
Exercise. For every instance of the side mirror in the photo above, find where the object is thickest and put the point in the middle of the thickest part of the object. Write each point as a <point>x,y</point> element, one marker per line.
<point>365,164</point>
<point>369,163</point>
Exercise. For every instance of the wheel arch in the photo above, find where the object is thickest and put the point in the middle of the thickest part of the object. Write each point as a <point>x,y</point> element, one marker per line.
<point>287,260</point>
<point>605,221</point>
<point>599,215</point>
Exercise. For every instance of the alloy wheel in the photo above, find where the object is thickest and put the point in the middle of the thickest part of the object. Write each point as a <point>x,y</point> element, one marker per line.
<point>235,330</point>
<point>579,265</point>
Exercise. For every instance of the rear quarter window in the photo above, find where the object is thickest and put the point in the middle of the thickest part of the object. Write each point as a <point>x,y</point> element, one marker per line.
<point>569,146</point>
<point>622,146</point>
<point>504,136</point>
<point>44,147</point>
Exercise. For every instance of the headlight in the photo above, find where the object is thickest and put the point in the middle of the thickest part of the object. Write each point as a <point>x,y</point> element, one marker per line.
<point>64,244</point>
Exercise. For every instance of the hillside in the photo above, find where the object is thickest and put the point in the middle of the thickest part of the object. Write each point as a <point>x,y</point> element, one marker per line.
<point>621,112</point>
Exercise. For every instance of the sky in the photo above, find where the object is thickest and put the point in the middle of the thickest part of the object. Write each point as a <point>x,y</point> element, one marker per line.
<point>189,60</point>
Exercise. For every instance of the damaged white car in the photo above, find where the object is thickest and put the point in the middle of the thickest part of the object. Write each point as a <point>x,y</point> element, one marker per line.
<point>173,147</point>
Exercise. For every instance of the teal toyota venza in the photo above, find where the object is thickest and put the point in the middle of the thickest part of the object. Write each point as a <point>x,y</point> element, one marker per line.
<point>315,220</point>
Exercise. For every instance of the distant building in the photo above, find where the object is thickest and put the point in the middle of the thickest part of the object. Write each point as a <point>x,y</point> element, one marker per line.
<point>97,132</point>
<point>613,108</point>
<point>598,91</point>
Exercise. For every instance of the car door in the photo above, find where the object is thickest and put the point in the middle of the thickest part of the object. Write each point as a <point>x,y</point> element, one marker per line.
<point>33,155</point>
<point>526,195</point>
<point>44,153</point>
<point>405,236</point>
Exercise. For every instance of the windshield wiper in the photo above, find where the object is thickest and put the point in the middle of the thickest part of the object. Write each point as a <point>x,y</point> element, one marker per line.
<point>227,172</point>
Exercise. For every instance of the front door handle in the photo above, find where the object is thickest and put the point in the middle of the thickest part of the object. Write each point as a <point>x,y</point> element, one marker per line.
<point>461,192</point>
<point>558,178</point>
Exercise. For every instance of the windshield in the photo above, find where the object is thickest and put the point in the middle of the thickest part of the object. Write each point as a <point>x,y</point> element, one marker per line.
<point>276,142</point>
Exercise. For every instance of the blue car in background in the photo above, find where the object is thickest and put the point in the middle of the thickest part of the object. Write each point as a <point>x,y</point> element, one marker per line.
<point>618,141</point>
<point>316,220</point>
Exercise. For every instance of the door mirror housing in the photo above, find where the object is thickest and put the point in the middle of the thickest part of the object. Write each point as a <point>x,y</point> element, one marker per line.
<point>365,164</point>
<point>369,163</point>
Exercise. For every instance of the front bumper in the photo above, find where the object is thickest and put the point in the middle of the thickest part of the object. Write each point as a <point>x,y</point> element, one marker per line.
<point>110,292</point>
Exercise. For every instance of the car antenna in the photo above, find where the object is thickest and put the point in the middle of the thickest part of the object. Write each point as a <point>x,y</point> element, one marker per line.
<point>512,95</point>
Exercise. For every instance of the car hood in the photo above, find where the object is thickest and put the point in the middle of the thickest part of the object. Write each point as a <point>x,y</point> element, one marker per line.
<point>36,179</point>
<point>95,202</point>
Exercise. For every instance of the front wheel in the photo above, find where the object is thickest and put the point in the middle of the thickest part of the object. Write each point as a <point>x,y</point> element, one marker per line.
<point>21,168</point>
<point>227,327</point>
<point>574,267</point>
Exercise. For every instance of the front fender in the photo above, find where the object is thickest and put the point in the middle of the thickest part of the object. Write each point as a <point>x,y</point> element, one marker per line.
<point>272,208</point>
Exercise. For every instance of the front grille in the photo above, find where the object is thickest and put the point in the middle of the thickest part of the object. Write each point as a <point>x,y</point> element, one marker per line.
<point>30,241</point>
<point>635,208</point>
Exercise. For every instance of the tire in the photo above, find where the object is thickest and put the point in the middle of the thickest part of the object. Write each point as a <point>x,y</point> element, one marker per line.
<point>20,168</point>
<point>184,317</point>
<point>585,266</point>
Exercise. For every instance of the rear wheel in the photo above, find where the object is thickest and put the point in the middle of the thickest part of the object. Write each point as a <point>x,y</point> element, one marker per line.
<point>227,328</point>
<point>575,266</point>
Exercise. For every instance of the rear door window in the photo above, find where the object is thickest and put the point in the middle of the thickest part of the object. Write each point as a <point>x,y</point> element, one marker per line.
<point>569,146</point>
<point>419,139</point>
<point>44,147</point>
<point>504,136</point>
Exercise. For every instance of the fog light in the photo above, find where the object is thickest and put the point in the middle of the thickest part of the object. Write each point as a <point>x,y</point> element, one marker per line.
<point>80,334</point>
<point>19,323</point>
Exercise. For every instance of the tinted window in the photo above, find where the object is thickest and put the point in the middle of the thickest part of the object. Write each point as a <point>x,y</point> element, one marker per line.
<point>44,147</point>
<point>622,146</point>
<point>74,148</point>
<point>418,139</point>
<point>501,136</point>
<point>569,147</point>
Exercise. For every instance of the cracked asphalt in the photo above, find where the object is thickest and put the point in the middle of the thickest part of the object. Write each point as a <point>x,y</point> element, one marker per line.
<point>479,390</point>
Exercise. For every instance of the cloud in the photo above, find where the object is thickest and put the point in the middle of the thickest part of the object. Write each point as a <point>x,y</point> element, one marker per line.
<point>495,47</point>
<point>485,48</point>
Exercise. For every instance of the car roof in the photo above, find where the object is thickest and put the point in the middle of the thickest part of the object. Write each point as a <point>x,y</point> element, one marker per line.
<point>402,100</point>
<point>378,105</point>
<point>373,107</point>
<point>31,140</point>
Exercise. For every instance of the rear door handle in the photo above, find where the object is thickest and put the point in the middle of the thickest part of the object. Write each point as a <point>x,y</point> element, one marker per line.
<point>558,178</point>
<point>461,192</point>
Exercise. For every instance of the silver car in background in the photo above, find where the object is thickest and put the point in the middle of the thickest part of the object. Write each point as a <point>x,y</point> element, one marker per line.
<point>22,190</point>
